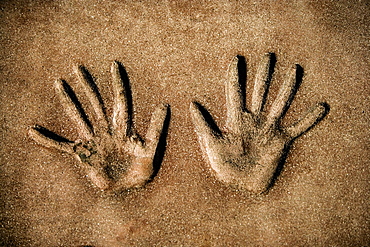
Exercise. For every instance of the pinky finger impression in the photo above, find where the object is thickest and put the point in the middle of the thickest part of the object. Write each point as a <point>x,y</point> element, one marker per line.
<point>45,138</point>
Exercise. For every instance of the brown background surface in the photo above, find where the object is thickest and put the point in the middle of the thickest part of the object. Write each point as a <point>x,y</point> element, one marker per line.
<point>176,52</point>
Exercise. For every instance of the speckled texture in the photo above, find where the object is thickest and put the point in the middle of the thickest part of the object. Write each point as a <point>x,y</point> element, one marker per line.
<point>175,53</point>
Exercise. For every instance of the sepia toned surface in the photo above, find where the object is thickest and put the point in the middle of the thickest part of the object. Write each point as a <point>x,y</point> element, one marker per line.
<point>177,52</point>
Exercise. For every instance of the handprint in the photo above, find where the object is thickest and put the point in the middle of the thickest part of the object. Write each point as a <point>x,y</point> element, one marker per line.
<point>112,154</point>
<point>248,152</point>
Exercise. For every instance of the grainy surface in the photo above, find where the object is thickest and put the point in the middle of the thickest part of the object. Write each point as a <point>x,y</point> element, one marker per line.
<point>177,52</point>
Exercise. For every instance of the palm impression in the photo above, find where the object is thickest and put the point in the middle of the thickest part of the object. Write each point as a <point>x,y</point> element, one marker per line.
<point>112,154</point>
<point>247,154</point>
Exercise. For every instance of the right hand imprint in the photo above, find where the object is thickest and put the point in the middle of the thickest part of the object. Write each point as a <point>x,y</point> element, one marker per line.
<point>248,152</point>
<point>113,156</point>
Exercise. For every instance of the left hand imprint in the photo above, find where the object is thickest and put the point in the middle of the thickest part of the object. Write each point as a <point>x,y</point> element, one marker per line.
<point>113,156</point>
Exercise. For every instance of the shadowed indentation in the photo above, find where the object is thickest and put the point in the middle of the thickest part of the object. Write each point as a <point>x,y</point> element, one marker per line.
<point>50,134</point>
<point>298,81</point>
<point>162,144</point>
<point>209,120</point>
<point>279,167</point>
<point>269,78</point>
<point>128,96</point>
<point>91,82</point>
<point>242,77</point>
<point>71,94</point>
